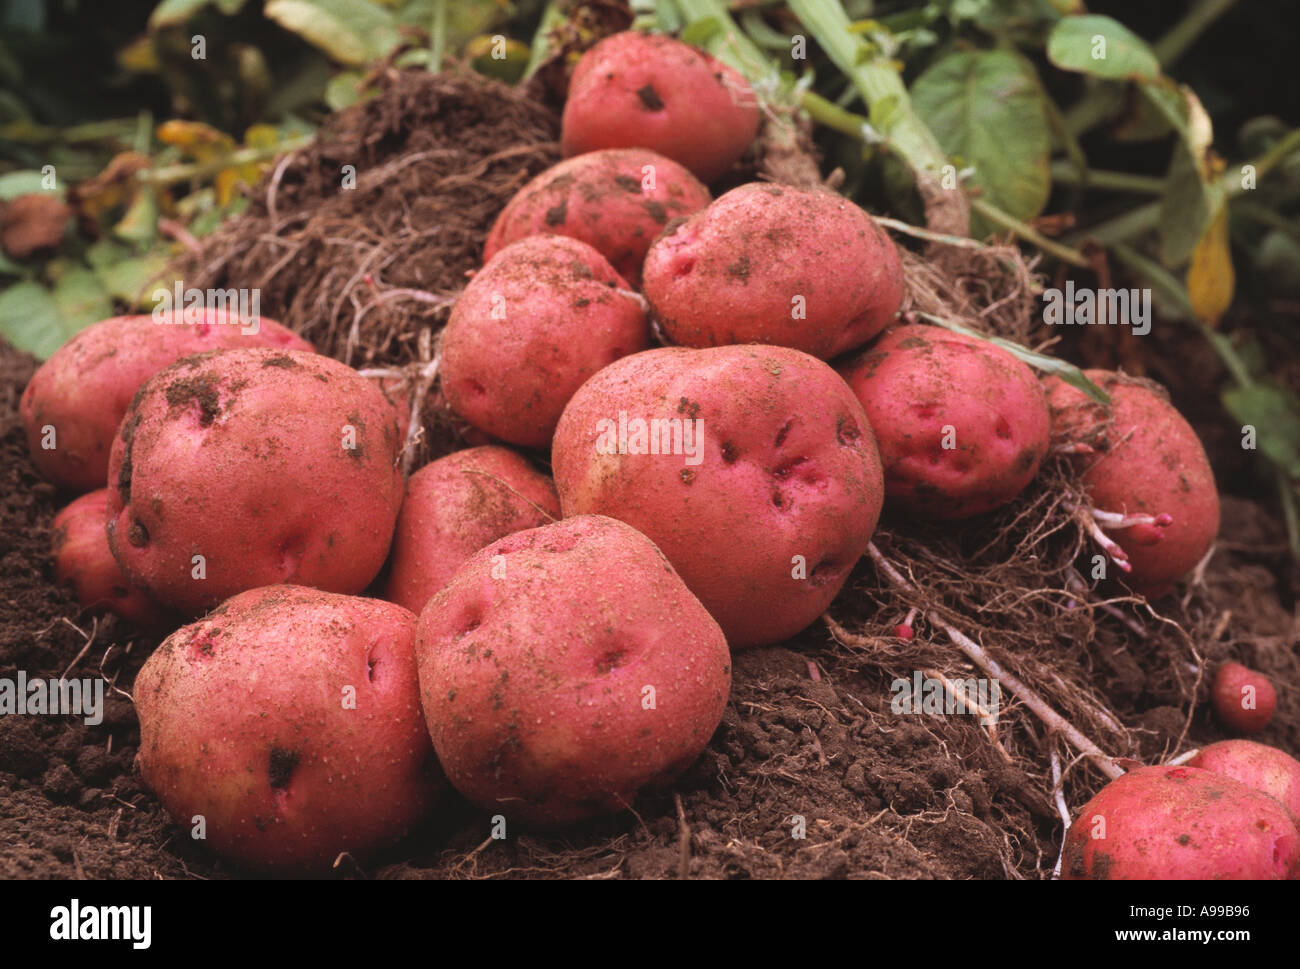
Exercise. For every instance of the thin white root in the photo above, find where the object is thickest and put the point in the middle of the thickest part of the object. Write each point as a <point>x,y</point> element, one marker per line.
<point>1183,758</point>
<point>975,653</point>
<point>1058,796</point>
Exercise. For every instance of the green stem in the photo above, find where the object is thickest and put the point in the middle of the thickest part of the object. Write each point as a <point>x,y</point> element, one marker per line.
<point>1066,173</point>
<point>1163,280</point>
<point>1028,233</point>
<point>832,115</point>
<point>1124,226</point>
<point>1184,33</point>
<point>438,35</point>
<point>1266,162</point>
<point>879,81</point>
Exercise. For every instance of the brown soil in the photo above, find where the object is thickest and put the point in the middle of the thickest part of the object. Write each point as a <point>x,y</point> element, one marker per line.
<point>808,739</point>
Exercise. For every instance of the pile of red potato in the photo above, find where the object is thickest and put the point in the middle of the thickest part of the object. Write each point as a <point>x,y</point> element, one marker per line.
<point>552,647</point>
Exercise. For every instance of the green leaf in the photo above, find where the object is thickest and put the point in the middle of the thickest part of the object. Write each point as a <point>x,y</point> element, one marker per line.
<point>172,13</point>
<point>27,182</point>
<point>1101,47</point>
<point>1068,372</point>
<point>126,280</point>
<point>343,90</point>
<point>698,33</point>
<point>81,300</point>
<point>1193,195</point>
<point>987,109</point>
<point>38,321</point>
<point>352,32</point>
<point>1274,412</point>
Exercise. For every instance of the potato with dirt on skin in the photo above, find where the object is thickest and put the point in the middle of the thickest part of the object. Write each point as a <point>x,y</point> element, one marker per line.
<point>83,560</point>
<point>243,468</point>
<point>774,264</point>
<point>1267,769</point>
<point>289,719</point>
<point>83,390</point>
<point>635,90</point>
<point>1243,699</point>
<point>541,317</point>
<point>962,425</point>
<point>1176,823</point>
<point>753,468</point>
<point>617,201</point>
<point>565,668</point>
<point>1147,461</point>
<point>455,506</point>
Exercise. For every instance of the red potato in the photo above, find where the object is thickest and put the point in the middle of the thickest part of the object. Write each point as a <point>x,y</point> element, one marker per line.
<point>289,720</point>
<point>1243,699</point>
<point>455,506</point>
<point>962,425</point>
<point>1148,462</point>
<point>774,264</point>
<point>753,468</point>
<point>1264,768</point>
<point>82,559</point>
<point>541,317</point>
<point>83,391</point>
<point>565,668</point>
<point>244,468</point>
<point>616,201</point>
<point>1175,823</point>
<point>635,90</point>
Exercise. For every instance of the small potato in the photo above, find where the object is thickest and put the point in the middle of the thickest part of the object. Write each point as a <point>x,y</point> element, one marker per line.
<point>616,201</point>
<point>455,506</point>
<point>1264,768</point>
<point>1176,823</point>
<point>1243,699</point>
<point>753,468</point>
<point>82,559</point>
<point>289,721</point>
<point>565,668</point>
<point>774,264</point>
<point>541,317</point>
<point>635,90</point>
<point>962,425</point>
<point>75,402</point>
<point>243,468</point>
<point>1148,462</point>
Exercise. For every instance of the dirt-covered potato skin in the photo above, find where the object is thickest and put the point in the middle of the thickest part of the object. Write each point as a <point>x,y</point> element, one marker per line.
<point>1267,769</point>
<point>274,466</point>
<point>1149,461</point>
<point>541,317</point>
<point>766,525</point>
<point>567,667</point>
<point>289,719</point>
<point>84,389</point>
<point>1177,823</point>
<point>83,560</point>
<point>616,200</point>
<point>455,506</point>
<point>923,387</point>
<point>635,90</point>
<point>773,264</point>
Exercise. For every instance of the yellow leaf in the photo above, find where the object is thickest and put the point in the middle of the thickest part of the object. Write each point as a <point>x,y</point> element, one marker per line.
<point>1210,278</point>
<point>138,56</point>
<point>200,141</point>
